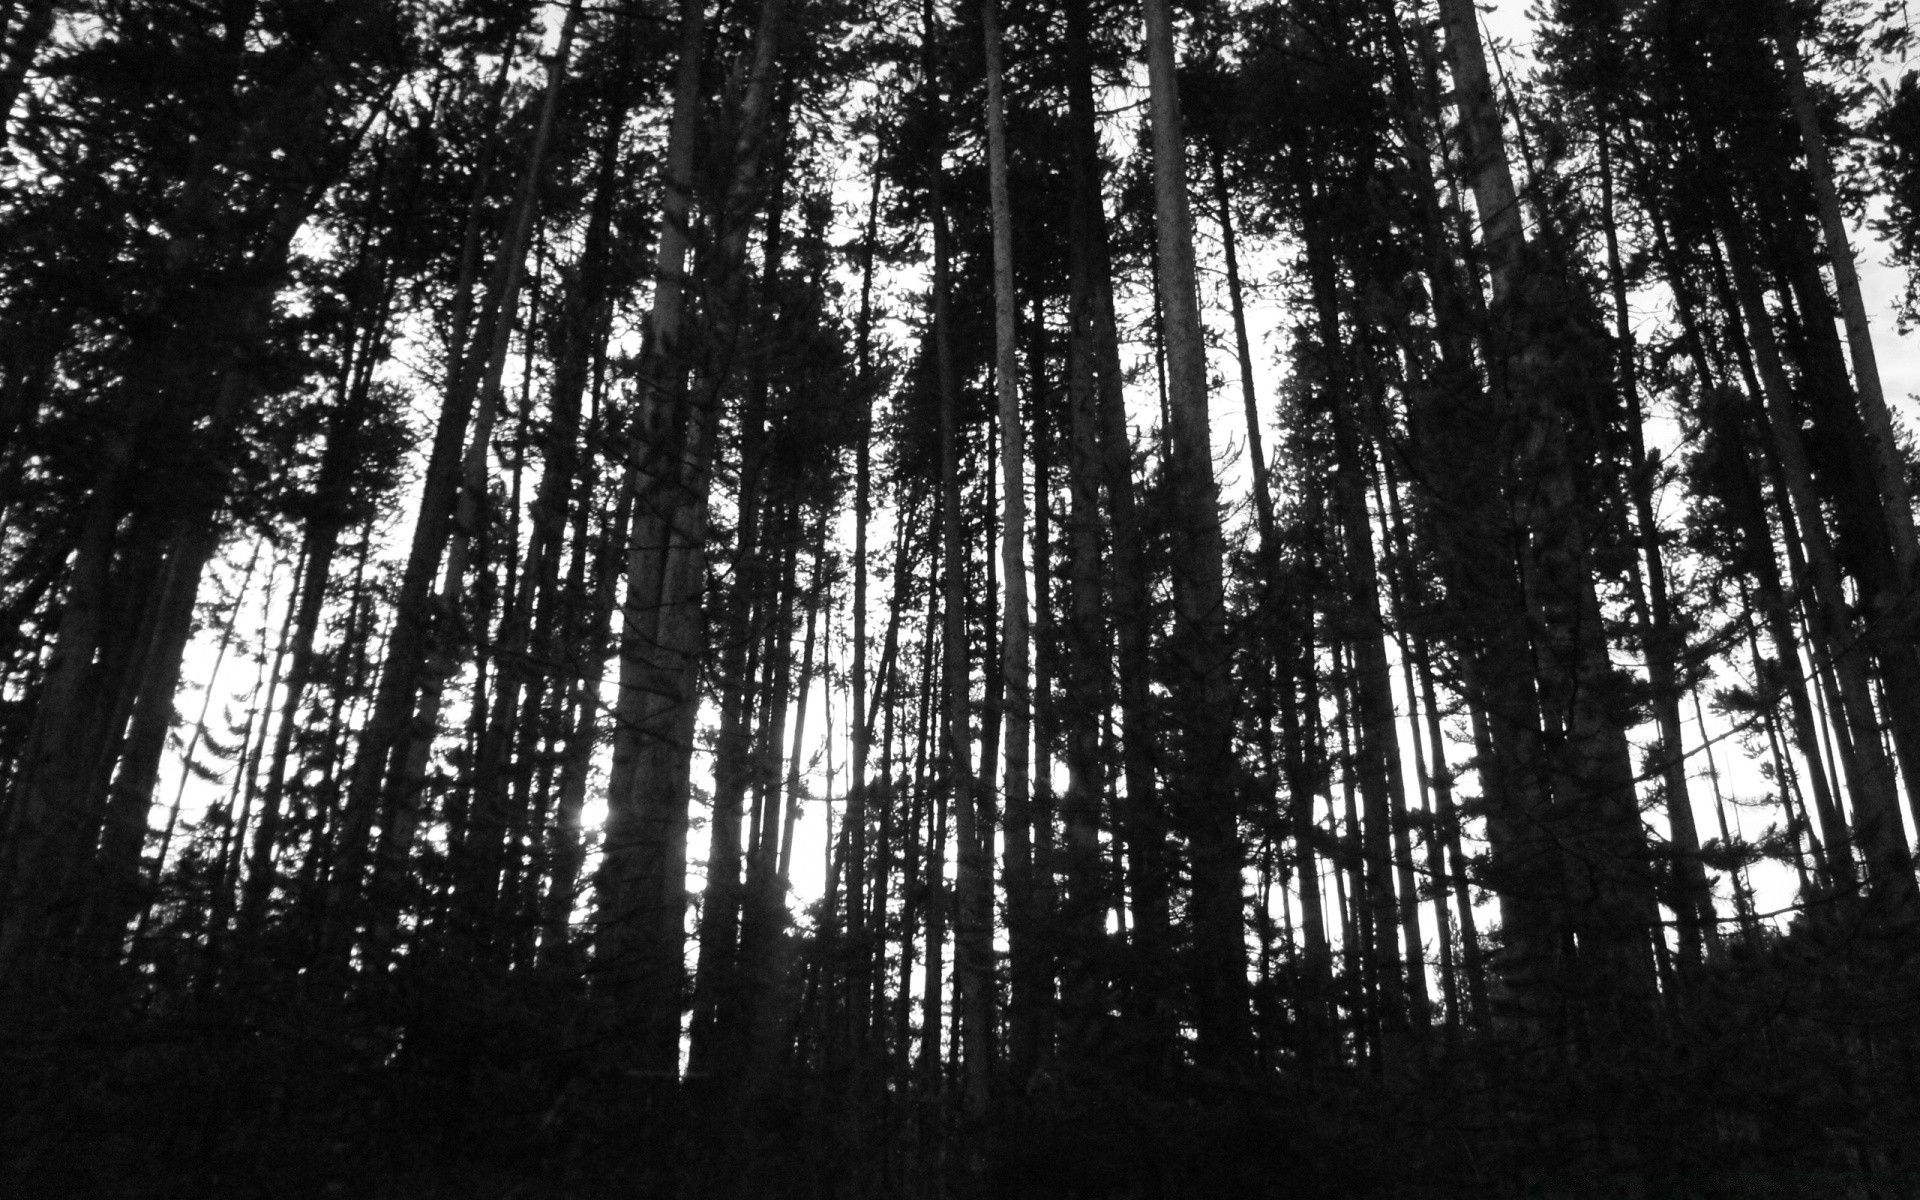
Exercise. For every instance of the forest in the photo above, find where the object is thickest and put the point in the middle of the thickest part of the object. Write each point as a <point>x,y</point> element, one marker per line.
<point>849,599</point>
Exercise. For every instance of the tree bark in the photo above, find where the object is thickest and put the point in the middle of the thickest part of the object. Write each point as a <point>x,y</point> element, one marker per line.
<point>1377,761</point>
<point>639,893</point>
<point>1661,644</point>
<point>860,723</point>
<point>973,931</point>
<point>1015,654</point>
<point>1207,790</point>
<point>1142,829</point>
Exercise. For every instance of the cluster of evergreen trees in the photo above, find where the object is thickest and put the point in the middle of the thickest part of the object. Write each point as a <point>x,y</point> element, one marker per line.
<point>549,407</point>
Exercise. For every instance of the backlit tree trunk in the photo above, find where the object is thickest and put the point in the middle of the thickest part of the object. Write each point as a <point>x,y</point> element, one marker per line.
<point>1206,793</point>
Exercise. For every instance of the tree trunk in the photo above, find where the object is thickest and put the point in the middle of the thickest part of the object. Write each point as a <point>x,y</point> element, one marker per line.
<point>639,896</point>
<point>1378,758</point>
<point>860,723</point>
<point>1015,654</point>
<point>1208,791</point>
<point>1042,936</point>
<point>1243,353</point>
<point>1088,691</point>
<point>746,632</point>
<point>973,929</point>
<point>1142,829</point>
<point>1661,643</point>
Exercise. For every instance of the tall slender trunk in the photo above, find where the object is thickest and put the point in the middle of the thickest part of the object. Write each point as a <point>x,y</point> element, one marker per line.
<point>938,803</point>
<point>1374,1016</point>
<point>1243,353</point>
<point>639,897</point>
<point>1046,907</point>
<point>816,594</point>
<point>892,696</point>
<point>1276,646</point>
<point>1088,690</point>
<point>1461,505</point>
<point>666,698</point>
<point>1378,757</point>
<point>860,724</point>
<point>1661,643</point>
<point>1015,654</point>
<point>922,869</point>
<point>748,637</point>
<point>972,952</point>
<point>1207,792</point>
<point>1303,825</point>
<point>1142,830</point>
